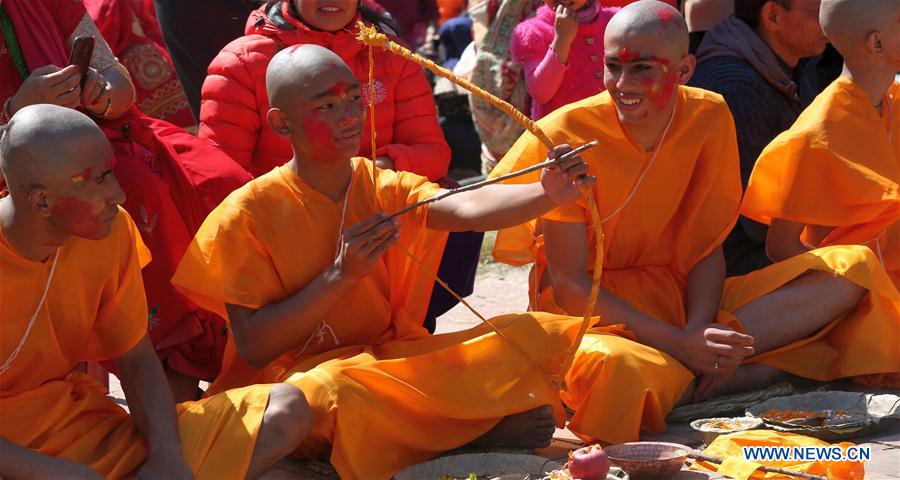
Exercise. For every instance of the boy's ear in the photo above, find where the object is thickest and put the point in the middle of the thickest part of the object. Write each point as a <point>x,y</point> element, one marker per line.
<point>874,43</point>
<point>278,122</point>
<point>686,69</point>
<point>37,197</point>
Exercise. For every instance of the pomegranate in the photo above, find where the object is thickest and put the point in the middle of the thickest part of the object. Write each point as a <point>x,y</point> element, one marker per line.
<point>588,463</point>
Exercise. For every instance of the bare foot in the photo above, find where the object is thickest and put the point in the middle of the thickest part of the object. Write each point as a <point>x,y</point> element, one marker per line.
<point>749,377</point>
<point>531,429</point>
<point>744,378</point>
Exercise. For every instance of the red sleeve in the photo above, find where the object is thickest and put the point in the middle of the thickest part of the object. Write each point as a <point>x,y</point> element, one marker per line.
<point>418,145</point>
<point>112,18</point>
<point>229,113</point>
<point>66,14</point>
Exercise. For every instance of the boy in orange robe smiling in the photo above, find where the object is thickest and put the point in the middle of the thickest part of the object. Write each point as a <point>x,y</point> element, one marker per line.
<point>672,328</point>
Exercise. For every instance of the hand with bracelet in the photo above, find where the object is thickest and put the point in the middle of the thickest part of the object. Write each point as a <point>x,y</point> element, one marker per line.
<point>96,95</point>
<point>60,86</point>
<point>107,91</point>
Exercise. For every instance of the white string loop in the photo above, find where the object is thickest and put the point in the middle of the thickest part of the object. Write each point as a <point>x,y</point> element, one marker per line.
<point>12,357</point>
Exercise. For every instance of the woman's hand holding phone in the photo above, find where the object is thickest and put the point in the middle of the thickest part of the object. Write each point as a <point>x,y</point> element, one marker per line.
<point>72,86</point>
<point>96,95</point>
<point>49,84</point>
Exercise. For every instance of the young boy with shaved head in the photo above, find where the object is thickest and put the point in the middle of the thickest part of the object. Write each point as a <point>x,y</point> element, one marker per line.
<point>325,292</point>
<point>832,178</point>
<point>670,327</point>
<point>71,291</point>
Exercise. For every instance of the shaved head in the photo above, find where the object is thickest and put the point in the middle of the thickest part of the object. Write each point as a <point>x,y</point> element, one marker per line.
<point>58,166</point>
<point>646,60</point>
<point>317,102</point>
<point>848,24</point>
<point>299,70</point>
<point>652,19</point>
<point>37,144</point>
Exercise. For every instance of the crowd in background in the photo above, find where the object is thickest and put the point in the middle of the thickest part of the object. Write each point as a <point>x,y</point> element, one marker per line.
<point>198,74</point>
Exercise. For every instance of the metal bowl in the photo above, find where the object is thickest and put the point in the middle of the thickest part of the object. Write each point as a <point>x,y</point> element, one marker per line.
<point>647,460</point>
<point>708,434</point>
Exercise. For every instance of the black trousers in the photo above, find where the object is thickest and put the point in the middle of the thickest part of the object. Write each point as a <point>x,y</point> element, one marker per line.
<point>458,267</point>
<point>195,31</point>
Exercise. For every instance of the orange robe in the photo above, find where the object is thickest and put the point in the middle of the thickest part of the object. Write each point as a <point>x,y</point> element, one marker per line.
<point>838,166</point>
<point>683,209</point>
<point>371,372</point>
<point>96,310</point>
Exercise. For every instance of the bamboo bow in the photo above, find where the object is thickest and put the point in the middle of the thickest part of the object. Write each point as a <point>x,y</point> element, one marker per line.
<point>373,38</point>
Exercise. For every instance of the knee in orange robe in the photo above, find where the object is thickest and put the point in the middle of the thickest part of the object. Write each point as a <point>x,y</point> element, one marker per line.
<point>684,208</point>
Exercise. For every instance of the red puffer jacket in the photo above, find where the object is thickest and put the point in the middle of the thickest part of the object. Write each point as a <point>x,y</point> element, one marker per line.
<point>234,106</point>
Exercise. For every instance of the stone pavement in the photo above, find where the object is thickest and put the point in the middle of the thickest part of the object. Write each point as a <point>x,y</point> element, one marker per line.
<point>501,289</point>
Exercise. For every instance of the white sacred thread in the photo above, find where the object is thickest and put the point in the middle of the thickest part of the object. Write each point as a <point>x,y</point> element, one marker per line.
<point>12,357</point>
<point>323,327</point>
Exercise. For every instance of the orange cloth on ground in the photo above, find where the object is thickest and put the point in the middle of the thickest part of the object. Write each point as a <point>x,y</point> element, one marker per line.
<point>96,310</point>
<point>683,209</point>
<point>837,166</point>
<point>387,382</point>
<point>730,448</point>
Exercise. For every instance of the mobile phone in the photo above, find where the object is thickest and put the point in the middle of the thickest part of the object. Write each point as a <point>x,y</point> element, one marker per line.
<point>82,50</point>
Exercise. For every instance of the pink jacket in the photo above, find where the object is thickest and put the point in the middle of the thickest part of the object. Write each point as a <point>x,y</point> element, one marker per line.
<point>550,83</point>
<point>235,103</point>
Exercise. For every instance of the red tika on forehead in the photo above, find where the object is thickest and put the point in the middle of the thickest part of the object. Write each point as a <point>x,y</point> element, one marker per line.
<point>340,89</point>
<point>626,55</point>
<point>83,175</point>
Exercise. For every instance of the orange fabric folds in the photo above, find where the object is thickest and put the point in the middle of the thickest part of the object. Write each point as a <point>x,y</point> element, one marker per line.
<point>371,373</point>
<point>659,221</point>
<point>96,310</point>
<point>276,234</point>
<point>837,166</point>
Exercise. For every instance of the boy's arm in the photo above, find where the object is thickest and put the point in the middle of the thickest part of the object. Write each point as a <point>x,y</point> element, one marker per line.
<point>21,462</point>
<point>705,283</point>
<point>153,410</point>
<point>783,240</point>
<point>500,206</point>
<point>489,208</point>
<point>567,256</point>
<point>264,334</point>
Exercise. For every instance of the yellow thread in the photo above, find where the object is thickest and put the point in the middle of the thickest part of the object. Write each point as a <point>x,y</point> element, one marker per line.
<point>370,36</point>
<point>595,283</point>
<point>372,133</point>
<point>555,380</point>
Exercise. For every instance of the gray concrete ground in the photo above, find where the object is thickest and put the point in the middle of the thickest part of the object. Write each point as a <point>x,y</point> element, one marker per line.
<point>502,289</point>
